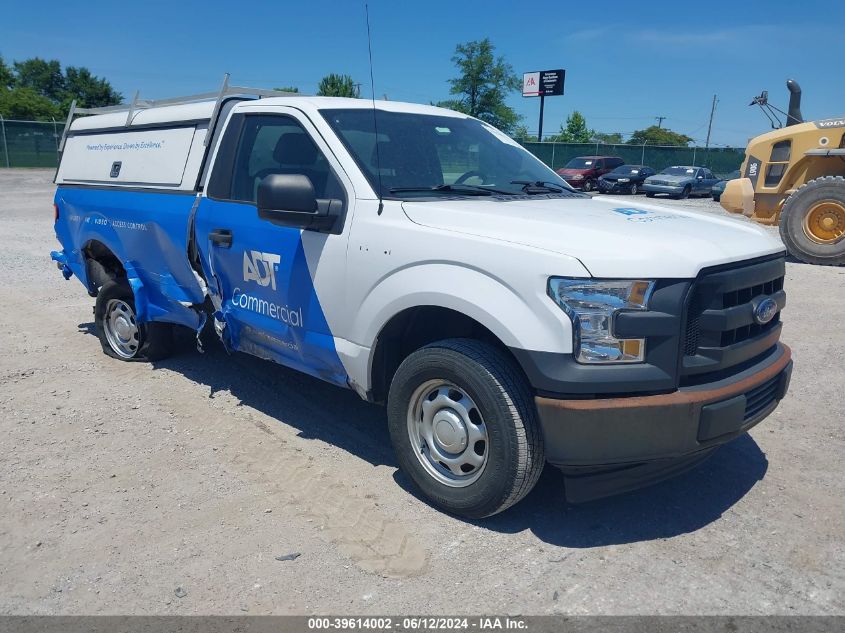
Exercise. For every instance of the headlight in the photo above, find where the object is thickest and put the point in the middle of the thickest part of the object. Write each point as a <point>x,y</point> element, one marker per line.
<point>592,305</point>
<point>624,180</point>
<point>578,177</point>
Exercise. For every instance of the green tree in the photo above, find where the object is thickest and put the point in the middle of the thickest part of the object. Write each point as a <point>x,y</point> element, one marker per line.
<point>334,85</point>
<point>39,89</point>
<point>7,77</point>
<point>658,136</point>
<point>43,77</point>
<point>88,90</point>
<point>574,130</point>
<point>25,103</point>
<point>483,85</point>
<point>608,138</point>
<point>287,89</point>
<point>521,135</point>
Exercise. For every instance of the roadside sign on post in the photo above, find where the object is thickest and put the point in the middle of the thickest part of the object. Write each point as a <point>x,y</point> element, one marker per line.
<point>543,83</point>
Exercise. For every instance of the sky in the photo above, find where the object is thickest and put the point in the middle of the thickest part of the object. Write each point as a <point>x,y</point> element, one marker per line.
<point>626,62</point>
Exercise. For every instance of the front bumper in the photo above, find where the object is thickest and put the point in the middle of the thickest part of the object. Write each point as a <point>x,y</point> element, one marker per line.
<point>670,189</point>
<point>614,186</point>
<point>670,429</point>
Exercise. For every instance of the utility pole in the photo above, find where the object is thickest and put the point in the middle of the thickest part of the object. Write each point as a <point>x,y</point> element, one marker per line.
<point>660,120</point>
<point>710,125</point>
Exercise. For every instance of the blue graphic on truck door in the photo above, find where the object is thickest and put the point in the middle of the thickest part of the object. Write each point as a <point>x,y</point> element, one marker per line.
<point>267,297</point>
<point>258,270</point>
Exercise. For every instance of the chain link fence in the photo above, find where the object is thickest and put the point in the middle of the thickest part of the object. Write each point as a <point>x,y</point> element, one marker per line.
<point>29,143</point>
<point>721,160</point>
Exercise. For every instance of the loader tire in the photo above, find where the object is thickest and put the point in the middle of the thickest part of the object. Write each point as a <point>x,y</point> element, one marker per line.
<point>812,222</point>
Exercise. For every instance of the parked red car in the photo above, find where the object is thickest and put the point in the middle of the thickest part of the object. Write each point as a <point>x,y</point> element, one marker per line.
<point>583,172</point>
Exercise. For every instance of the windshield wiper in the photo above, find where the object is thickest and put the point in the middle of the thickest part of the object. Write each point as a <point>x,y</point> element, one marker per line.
<point>467,190</point>
<point>539,186</point>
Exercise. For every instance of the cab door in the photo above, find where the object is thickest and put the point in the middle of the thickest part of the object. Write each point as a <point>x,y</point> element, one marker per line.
<point>273,285</point>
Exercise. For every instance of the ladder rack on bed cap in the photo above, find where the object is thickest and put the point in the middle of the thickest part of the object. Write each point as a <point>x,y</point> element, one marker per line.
<point>137,104</point>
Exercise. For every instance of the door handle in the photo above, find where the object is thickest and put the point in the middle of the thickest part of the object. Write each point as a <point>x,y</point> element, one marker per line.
<point>221,237</point>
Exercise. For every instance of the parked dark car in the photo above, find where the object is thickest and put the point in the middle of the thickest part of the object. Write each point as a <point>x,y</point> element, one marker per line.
<point>625,179</point>
<point>719,188</point>
<point>583,172</point>
<point>681,181</point>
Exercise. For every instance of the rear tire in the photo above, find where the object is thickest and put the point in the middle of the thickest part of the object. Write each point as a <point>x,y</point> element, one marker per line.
<point>464,427</point>
<point>716,197</point>
<point>812,222</point>
<point>120,334</point>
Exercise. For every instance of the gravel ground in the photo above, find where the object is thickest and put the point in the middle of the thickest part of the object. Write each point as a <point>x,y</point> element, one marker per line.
<point>173,488</point>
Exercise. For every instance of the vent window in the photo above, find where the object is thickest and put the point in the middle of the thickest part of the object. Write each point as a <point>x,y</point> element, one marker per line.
<point>781,152</point>
<point>774,173</point>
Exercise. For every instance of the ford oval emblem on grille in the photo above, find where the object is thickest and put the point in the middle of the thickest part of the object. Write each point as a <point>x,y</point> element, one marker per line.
<point>765,311</point>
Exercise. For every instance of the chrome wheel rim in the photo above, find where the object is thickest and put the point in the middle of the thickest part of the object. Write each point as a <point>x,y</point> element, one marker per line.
<point>447,433</point>
<point>121,328</point>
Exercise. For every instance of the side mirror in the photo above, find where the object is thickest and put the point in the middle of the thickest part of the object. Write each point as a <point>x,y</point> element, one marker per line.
<point>289,200</point>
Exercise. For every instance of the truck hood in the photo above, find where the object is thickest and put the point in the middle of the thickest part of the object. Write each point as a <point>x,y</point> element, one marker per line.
<point>610,237</point>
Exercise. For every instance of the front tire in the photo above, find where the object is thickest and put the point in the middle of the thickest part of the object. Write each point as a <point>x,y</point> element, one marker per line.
<point>685,193</point>
<point>812,222</point>
<point>633,190</point>
<point>120,333</point>
<point>464,427</point>
<point>589,186</point>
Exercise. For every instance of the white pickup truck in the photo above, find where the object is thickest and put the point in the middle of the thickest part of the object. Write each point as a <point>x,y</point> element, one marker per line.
<point>425,260</point>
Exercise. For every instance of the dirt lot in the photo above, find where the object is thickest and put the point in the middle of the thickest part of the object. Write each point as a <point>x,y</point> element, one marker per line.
<point>124,486</point>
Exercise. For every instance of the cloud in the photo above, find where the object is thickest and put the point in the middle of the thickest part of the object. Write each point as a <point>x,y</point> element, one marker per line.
<point>739,35</point>
<point>588,35</point>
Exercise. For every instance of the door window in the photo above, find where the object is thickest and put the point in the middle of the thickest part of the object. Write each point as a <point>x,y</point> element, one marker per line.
<point>279,145</point>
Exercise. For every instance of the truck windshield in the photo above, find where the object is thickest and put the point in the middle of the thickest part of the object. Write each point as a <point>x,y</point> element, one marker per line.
<point>424,155</point>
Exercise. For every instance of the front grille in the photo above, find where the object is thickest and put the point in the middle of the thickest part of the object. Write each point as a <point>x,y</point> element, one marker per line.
<point>720,329</point>
<point>761,397</point>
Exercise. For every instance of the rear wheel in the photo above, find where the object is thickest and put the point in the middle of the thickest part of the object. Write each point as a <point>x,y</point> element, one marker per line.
<point>119,331</point>
<point>716,197</point>
<point>812,222</point>
<point>464,427</point>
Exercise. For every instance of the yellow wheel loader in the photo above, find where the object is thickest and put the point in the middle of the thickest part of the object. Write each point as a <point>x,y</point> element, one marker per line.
<point>794,177</point>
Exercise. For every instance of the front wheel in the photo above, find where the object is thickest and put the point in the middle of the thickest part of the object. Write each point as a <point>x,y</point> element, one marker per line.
<point>633,190</point>
<point>812,222</point>
<point>119,331</point>
<point>649,194</point>
<point>685,193</point>
<point>589,185</point>
<point>464,427</point>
